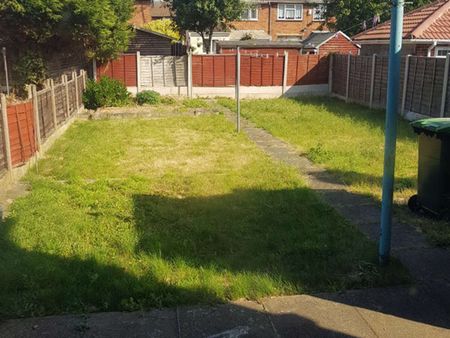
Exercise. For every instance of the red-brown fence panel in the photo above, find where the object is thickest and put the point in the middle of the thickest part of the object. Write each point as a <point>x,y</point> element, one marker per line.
<point>307,70</point>
<point>123,69</point>
<point>213,70</point>
<point>21,132</point>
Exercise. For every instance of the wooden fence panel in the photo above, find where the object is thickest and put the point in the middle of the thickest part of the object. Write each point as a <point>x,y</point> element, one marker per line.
<point>339,74</point>
<point>163,71</point>
<point>3,164</point>
<point>21,132</point>
<point>360,79</point>
<point>45,113</point>
<point>213,70</point>
<point>61,104</point>
<point>123,69</point>
<point>307,70</point>
<point>72,97</point>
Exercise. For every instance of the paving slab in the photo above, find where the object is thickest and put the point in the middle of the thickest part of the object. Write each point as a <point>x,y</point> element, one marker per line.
<point>308,316</point>
<point>154,324</point>
<point>237,319</point>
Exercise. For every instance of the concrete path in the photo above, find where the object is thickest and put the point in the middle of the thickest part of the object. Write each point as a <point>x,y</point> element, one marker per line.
<point>419,311</point>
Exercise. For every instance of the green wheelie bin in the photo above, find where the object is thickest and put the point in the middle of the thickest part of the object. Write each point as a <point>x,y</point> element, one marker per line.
<point>433,195</point>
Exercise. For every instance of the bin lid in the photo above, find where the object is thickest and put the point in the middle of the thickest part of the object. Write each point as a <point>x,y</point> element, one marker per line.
<point>435,126</point>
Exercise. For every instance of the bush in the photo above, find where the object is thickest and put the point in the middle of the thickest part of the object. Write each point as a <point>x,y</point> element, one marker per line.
<point>148,97</point>
<point>105,93</point>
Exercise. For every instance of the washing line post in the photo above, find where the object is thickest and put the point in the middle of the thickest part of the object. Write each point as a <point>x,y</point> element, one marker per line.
<point>393,97</point>
<point>238,90</point>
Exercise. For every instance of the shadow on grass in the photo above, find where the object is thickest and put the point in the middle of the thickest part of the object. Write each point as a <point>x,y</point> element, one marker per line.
<point>287,234</point>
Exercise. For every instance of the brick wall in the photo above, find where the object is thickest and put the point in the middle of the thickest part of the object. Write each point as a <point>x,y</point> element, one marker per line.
<point>268,21</point>
<point>339,44</point>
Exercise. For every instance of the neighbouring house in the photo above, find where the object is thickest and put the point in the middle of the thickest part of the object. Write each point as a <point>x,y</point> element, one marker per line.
<point>324,43</point>
<point>319,43</point>
<point>259,47</point>
<point>148,10</point>
<point>426,32</point>
<point>194,41</point>
<point>152,43</point>
<point>288,20</point>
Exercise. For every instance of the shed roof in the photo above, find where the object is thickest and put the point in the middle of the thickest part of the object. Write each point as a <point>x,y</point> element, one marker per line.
<point>259,44</point>
<point>429,22</point>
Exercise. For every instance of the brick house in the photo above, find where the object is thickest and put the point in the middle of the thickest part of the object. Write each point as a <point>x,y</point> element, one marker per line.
<point>324,43</point>
<point>288,20</point>
<point>426,32</point>
<point>148,10</point>
<point>318,43</point>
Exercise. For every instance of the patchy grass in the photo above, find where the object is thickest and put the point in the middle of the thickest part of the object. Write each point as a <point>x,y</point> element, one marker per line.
<point>348,140</point>
<point>195,103</point>
<point>127,215</point>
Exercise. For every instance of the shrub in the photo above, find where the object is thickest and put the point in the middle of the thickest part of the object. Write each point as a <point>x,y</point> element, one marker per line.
<point>148,97</point>
<point>105,93</point>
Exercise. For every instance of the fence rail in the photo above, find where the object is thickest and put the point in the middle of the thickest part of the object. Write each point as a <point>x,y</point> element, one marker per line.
<point>424,82</point>
<point>26,126</point>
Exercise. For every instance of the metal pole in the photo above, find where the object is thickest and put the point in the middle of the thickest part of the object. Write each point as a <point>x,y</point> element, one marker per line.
<point>238,90</point>
<point>393,97</point>
<point>5,64</point>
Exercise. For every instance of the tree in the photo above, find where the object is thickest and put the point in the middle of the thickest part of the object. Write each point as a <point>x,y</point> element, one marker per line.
<point>36,28</point>
<point>164,26</point>
<point>204,16</point>
<point>350,15</point>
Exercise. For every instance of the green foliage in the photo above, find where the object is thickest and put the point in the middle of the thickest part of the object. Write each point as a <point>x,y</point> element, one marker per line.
<point>204,16</point>
<point>97,28</point>
<point>164,26</point>
<point>31,68</point>
<point>148,97</point>
<point>350,14</point>
<point>105,93</point>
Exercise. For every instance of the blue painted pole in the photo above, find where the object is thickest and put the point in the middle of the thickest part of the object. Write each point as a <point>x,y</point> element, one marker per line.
<point>393,99</point>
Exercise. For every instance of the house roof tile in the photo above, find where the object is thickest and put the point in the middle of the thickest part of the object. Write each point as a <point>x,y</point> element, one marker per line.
<point>431,21</point>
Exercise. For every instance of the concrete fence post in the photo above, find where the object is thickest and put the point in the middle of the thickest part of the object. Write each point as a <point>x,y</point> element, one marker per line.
<point>347,89</point>
<point>66,91</point>
<point>84,79</point>
<point>53,100</point>
<point>285,71</point>
<point>29,92</point>
<point>77,92</point>
<point>330,73</point>
<point>372,80</point>
<point>5,125</point>
<point>405,84</point>
<point>138,70</point>
<point>94,69</point>
<point>37,122</point>
<point>189,68</point>
<point>445,86</point>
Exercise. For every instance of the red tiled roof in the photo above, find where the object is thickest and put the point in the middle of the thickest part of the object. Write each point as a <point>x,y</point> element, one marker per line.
<point>430,22</point>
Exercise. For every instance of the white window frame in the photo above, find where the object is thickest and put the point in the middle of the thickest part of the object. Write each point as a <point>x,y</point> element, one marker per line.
<point>438,49</point>
<point>320,9</point>
<point>283,7</point>
<point>248,11</point>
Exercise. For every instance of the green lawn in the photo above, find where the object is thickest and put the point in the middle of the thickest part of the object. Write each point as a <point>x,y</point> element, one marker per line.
<point>348,140</point>
<point>127,215</point>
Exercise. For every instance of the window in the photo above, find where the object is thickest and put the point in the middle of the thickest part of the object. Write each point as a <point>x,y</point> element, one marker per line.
<point>250,14</point>
<point>319,13</point>
<point>290,12</point>
<point>442,51</point>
